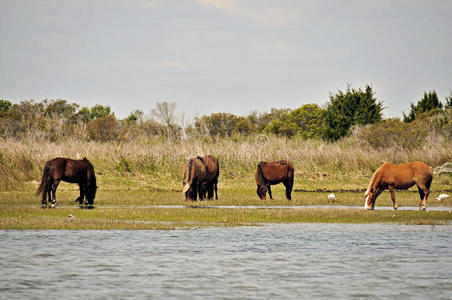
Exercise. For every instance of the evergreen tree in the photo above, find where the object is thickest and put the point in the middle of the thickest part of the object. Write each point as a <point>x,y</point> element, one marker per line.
<point>428,102</point>
<point>449,101</point>
<point>354,107</point>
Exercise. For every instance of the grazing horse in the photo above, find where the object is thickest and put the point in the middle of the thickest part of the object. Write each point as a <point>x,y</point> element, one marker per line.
<point>201,176</point>
<point>72,171</point>
<point>269,173</point>
<point>399,177</point>
<point>210,183</point>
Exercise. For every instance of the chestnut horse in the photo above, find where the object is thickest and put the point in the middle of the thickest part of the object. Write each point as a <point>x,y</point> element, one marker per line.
<point>270,173</point>
<point>72,171</point>
<point>201,177</point>
<point>401,177</point>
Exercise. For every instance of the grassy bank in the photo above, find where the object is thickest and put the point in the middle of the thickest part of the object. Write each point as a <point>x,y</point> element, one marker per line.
<point>188,218</point>
<point>133,209</point>
<point>135,175</point>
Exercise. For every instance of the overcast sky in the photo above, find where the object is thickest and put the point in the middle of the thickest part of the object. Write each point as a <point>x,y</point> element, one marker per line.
<point>231,56</point>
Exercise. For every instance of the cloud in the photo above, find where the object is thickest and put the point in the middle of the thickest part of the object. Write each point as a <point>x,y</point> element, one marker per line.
<point>258,11</point>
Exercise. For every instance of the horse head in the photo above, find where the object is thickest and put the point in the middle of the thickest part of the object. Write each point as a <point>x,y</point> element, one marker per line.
<point>262,191</point>
<point>369,202</point>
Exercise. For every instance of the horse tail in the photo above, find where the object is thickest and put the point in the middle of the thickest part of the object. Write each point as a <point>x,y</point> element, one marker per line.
<point>45,180</point>
<point>261,174</point>
<point>92,184</point>
<point>187,176</point>
<point>218,172</point>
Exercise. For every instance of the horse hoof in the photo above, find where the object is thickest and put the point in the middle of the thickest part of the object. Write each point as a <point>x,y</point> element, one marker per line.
<point>394,208</point>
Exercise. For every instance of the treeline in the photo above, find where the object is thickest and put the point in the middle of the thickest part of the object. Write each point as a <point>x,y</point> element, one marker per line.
<point>353,111</point>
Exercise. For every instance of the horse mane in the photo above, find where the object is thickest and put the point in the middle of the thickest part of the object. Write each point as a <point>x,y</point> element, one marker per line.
<point>86,160</point>
<point>372,181</point>
<point>187,176</point>
<point>260,173</point>
<point>202,160</point>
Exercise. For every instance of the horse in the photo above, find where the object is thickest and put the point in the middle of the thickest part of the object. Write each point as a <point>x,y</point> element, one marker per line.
<point>270,173</point>
<point>72,171</point>
<point>210,183</point>
<point>401,177</point>
<point>201,177</point>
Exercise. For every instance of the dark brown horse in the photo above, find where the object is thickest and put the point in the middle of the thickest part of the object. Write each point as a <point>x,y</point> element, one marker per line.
<point>391,177</point>
<point>210,183</point>
<point>201,177</point>
<point>72,171</point>
<point>270,173</point>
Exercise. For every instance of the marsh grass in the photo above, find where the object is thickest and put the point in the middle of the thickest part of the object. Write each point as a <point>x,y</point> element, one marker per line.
<point>134,209</point>
<point>156,164</point>
<point>189,218</point>
<point>149,173</point>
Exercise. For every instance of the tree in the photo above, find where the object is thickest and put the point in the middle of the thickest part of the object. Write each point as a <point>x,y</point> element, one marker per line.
<point>354,107</point>
<point>306,121</point>
<point>262,120</point>
<point>224,124</point>
<point>449,100</point>
<point>103,129</point>
<point>60,109</point>
<point>165,114</point>
<point>5,105</point>
<point>137,116</point>
<point>100,111</point>
<point>428,102</point>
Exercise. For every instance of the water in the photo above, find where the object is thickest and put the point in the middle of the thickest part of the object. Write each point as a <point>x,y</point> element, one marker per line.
<point>297,261</point>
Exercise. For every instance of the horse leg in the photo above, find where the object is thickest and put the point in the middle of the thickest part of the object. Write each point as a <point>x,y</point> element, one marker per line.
<point>44,199</point>
<point>288,184</point>
<point>216,191</point>
<point>210,191</point>
<point>423,194</point>
<point>80,198</point>
<point>269,191</point>
<point>54,188</point>
<point>391,191</point>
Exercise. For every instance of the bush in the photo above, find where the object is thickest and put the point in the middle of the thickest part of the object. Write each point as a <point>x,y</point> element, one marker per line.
<point>394,133</point>
<point>103,129</point>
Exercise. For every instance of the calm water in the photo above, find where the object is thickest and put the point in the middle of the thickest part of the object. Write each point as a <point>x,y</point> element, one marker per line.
<point>272,262</point>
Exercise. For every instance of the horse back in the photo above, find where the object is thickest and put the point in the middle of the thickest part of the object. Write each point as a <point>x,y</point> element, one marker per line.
<point>212,167</point>
<point>276,172</point>
<point>70,170</point>
<point>404,176</point>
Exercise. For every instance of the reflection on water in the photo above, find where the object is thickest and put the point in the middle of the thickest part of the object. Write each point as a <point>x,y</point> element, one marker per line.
<point>278,261</point>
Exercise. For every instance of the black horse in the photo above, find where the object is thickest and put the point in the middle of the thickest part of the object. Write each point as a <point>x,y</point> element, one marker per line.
<point>72,171</point>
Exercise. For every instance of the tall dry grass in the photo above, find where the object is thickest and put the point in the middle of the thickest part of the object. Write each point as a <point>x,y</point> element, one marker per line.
<point>21,162</point>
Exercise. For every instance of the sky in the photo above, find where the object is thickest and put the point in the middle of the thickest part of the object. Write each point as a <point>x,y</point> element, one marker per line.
<point>233,56</point>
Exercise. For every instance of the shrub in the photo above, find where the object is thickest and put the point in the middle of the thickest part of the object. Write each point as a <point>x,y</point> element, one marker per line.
<point>103,129</point>
<point>394,133</point>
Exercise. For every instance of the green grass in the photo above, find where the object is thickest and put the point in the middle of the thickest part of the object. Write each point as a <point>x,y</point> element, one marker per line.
<point>150,173</point>
<point>132,209</point>
<point>188,218</point>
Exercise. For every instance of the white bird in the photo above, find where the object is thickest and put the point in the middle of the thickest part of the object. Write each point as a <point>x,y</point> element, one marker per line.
<point>331,197</point>
<point>441,197</point>
<point>70,218</point>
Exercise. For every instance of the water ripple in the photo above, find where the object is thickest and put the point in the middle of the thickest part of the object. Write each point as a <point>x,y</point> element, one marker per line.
<point>324,261</point>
